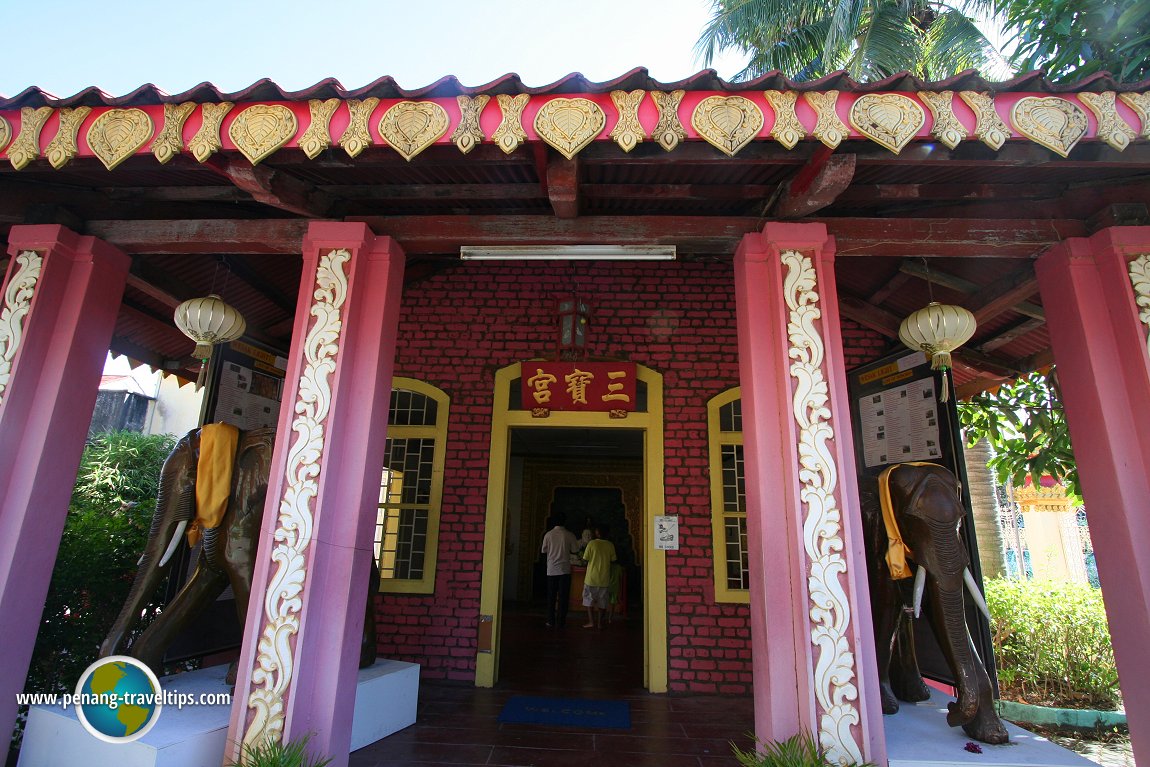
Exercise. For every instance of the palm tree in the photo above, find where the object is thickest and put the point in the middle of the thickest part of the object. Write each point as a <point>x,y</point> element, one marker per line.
<point>870,39</point>
<point>984,505</point>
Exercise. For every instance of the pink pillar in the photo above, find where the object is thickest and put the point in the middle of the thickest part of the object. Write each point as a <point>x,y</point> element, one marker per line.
<point>1104,369</point>
<point>61,299</point>
<point>803,521</point>
<point>301,643</point>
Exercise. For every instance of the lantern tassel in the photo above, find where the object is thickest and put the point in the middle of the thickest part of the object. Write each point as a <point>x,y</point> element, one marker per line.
<point>944,396</point>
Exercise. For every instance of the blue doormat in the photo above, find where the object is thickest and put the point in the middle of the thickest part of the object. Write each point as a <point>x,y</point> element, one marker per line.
<point>566,712</point>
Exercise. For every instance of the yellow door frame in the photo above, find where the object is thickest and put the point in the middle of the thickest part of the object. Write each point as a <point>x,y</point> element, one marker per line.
<point>654,560</point>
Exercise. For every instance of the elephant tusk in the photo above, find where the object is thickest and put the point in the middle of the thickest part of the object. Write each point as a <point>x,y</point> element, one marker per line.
<point>174,543</point>
<point>972,587</point>
<point>919,585</point>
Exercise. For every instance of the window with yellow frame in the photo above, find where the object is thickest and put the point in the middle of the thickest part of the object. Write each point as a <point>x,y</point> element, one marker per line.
<point>411,488</point>
<point>728,497</point>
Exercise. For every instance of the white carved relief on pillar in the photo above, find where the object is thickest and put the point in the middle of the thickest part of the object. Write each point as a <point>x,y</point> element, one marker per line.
<point>283,601</point>
<point>834,672</point>
<point>17,302</point>
<point>1140,278</point>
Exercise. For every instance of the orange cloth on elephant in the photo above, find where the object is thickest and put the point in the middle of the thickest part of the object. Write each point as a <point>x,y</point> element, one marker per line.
<point>897,551</point>
<point>218,443</point>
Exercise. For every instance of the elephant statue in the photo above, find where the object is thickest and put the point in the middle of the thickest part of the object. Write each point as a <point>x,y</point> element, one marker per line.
<point>227,554</point>
<point>917,534</point>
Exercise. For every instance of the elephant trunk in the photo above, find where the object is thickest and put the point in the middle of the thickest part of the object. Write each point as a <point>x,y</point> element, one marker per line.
<point>950,626</point>
<point>175,506</point>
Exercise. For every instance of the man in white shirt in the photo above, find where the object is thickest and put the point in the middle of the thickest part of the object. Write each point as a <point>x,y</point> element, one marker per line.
<point>559,544</point>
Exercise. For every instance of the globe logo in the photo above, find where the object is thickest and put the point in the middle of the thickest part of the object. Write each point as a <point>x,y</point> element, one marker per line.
<point>118,699</point>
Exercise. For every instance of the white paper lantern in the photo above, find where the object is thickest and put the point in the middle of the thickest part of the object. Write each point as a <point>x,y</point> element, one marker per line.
<point>209,321</point>
<point>938,329</point>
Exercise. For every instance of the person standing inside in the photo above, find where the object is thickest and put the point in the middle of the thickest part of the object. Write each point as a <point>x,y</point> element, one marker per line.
<point>559,544</point>
<point>598,555</point>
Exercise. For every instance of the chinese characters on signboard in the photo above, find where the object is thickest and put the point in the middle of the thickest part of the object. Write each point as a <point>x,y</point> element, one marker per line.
<point>580,386</point>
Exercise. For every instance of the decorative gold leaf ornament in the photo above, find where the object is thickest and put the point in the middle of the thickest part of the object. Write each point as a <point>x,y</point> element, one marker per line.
<point>317,137</point>
<point>5,133</point>
<point>207,142</point>
<point>1111,127</point>
<point>988,127</point>
<point>570,124</point>
<point>889,119</point>
<point>628,132</point>
<point>1054,122</point>
<point>117,134</point>
<point>510,134</point>
<point>26,147</point>
<point>1140,280</point>
<point>412,126</point>
<point>787,129</point>
<point>170,140</point>
<point>262,129</point>
<point>669,130</point>
<point>468,134</point>
<point>946,128</point>
<point>728,123</point>
<point>63,148</point>
<point>1140,103</point>
<point>357,137</point>
<point>829,128</point>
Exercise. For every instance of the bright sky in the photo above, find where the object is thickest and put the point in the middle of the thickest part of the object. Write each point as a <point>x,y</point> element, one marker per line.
<point>63,46</point>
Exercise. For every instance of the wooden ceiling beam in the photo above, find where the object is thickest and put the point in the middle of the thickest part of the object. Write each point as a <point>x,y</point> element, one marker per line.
<point>949,192</point>
<point>1004,294</point>
<point>967,287</point>
<point>884,322</point>
<point>272,187</point>
<point>816,186</point>
<point>561,185</point>
<point>425,235</point>
<point>1013,333</point>
<point>895,284</point>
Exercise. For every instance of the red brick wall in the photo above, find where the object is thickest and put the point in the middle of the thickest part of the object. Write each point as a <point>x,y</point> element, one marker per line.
<point>457,328</point>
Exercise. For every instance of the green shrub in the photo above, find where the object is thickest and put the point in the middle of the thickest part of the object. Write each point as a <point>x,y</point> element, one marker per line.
<point>1052,644</point>
<point>800,750</point>
<point>273,754</point>
<point>109,518</point>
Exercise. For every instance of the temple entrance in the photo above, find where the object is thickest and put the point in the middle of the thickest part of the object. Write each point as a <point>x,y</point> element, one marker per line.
<point>592,478</point>
<point>594,468</point>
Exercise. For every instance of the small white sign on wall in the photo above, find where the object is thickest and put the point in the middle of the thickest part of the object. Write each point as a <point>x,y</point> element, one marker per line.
<point>667,533</point>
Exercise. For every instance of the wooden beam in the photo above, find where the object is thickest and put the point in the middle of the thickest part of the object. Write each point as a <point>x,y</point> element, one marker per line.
<point>562,185</point>
<point>1004,294</point>
<point>868,315</point>
<point>895,284</point>
<point>272,187</point>
<point>203,236</point>
<point>152,291</point>
<point>962,285</point>
<point>712,235</point>
<point>816,186</point>
<point>1012,333</point>
<point>949,192</point>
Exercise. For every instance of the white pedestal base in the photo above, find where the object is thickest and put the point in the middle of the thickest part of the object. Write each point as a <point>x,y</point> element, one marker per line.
<point>195,736</point>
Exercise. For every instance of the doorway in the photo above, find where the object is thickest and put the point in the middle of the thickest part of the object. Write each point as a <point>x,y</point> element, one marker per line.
<point>576,463</point>
<point>592,478</point>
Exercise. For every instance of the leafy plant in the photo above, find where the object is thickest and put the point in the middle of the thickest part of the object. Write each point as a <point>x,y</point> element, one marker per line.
<point>799,750</point>
<point>275,754</point>
<point>109,518</point>
<point>1071,39</point>
<point>1025,424</point>
<point>870,39</point>
<point>1052,644</point>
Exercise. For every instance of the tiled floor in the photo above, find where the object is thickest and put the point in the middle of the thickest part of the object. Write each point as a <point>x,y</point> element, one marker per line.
<point>458,724</point>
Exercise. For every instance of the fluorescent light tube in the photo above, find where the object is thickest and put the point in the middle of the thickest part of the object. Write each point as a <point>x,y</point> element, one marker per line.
<point>567,252</point>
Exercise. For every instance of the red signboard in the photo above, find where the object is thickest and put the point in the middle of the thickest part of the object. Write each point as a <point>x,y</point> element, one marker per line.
<point>584,386</point>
